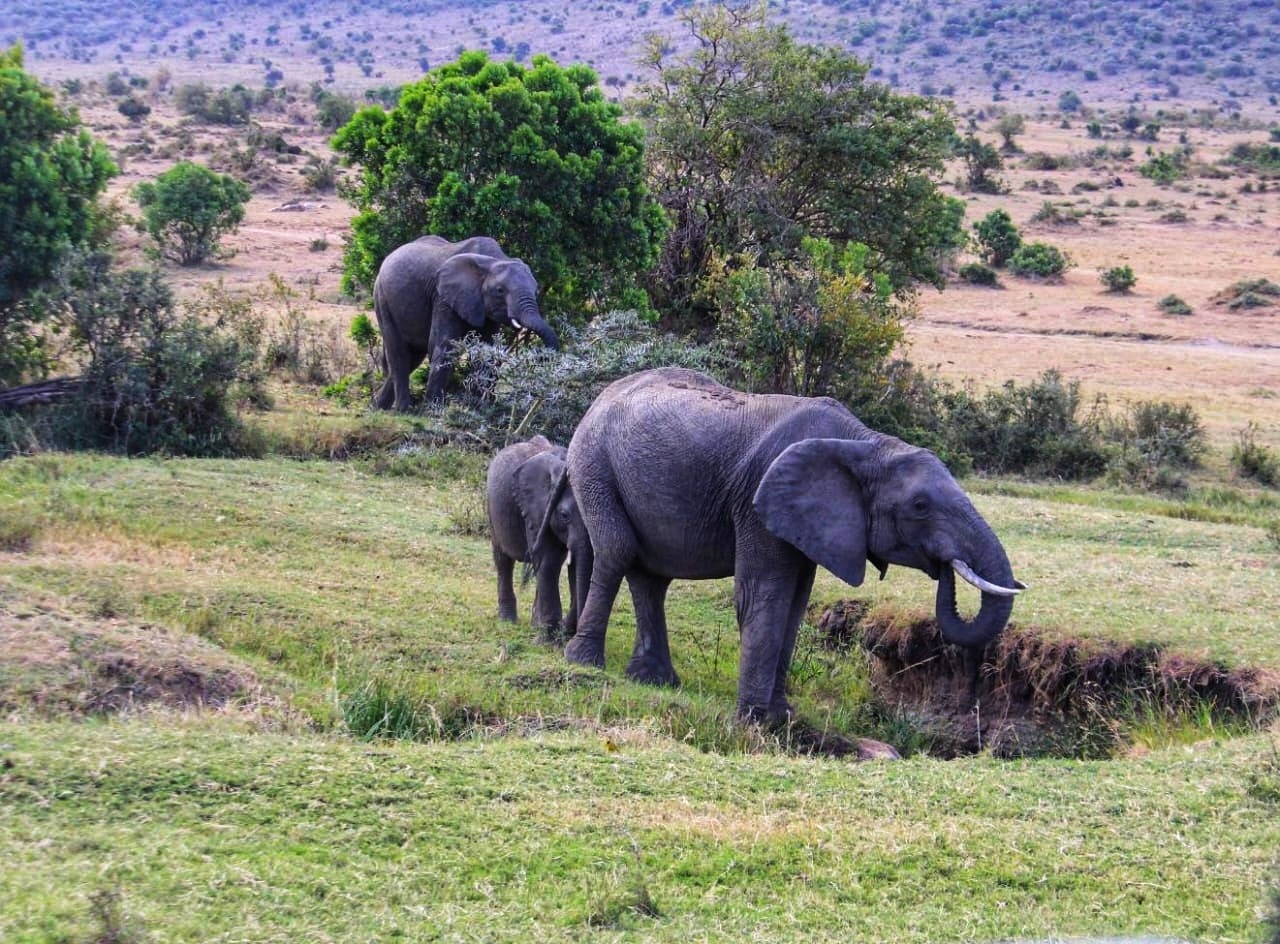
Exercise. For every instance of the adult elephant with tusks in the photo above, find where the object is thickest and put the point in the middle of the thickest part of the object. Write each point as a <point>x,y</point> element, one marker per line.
<point>679,477</point>
<point>430,293</point>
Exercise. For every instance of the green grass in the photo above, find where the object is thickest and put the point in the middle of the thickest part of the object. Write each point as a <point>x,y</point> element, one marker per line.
<point>349,591</point>
<point>210,833</point>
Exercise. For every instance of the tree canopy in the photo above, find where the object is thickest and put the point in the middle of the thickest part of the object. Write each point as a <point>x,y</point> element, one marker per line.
<point>534,157</point>
<point>51,174</point>
<point>757,141</point>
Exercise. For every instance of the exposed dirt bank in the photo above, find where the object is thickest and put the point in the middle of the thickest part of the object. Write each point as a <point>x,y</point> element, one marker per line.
<point>1026,693</point>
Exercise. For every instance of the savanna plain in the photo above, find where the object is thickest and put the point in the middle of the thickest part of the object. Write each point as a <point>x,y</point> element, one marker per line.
<point>269,699</point>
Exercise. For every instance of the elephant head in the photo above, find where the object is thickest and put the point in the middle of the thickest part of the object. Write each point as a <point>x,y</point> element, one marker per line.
<point>843,502</point>
<point>480,288</point>
<point>543,483</point>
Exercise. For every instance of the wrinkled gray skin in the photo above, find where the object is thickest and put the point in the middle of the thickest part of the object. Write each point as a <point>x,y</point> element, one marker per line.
<point>680,477</point>
<point>431,292</point>
<point>526,497</point>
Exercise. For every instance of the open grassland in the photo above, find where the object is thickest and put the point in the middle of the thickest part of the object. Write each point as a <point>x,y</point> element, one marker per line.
<point>204,830</point>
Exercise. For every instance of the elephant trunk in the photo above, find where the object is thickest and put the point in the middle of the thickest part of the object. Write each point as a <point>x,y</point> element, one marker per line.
<point>989,571</point>
<point>525,314</point>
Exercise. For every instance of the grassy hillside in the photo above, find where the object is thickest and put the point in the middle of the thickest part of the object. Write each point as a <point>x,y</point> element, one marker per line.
<point>1027,52</point>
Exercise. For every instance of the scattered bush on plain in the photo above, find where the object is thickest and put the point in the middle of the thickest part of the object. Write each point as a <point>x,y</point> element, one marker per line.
<point>1118,279</point>
<point>1039,260</point>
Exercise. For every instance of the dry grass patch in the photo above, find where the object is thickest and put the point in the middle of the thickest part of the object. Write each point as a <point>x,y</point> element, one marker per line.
<point>56,664</point>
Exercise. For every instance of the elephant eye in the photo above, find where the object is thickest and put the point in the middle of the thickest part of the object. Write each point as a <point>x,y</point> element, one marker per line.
<point>920,505</point>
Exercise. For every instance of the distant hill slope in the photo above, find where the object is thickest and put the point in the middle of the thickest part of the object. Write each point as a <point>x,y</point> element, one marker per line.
<point>1218,53</point>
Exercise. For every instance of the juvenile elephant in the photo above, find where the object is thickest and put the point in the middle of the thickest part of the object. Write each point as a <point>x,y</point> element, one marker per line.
<point>526,493</point>
<point>430,293</point>
<point>680,477</point>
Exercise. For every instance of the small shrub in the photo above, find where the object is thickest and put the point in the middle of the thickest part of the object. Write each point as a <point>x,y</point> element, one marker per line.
<point>1249,293</point>
<point>1118,279</point>
<point>997,237</point>
<point>1165,167</point>
<point>1173,305</point>
<point>1174,216</point>
<point>320,176</point>
<point>975,273</point>
<point>1052,214</point>
<point>1041,161</point>
<point>1039,260</point>
<point>1252,460</point>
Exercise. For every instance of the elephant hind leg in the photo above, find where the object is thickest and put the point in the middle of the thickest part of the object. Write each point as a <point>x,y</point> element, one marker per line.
<point>651,657</point>
<point>505,566</point>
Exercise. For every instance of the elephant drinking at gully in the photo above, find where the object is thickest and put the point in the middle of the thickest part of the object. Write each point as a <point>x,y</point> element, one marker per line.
<point>677,476</point>
<point>430,293</point>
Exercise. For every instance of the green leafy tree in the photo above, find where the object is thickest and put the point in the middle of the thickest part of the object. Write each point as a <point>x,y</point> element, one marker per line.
<point>189,208</point>
<point>534,157</point>
<point>1009,126</point>
<point>757,141</point>
<point>51,174</point>
<point>998,237</point>
<point>982,164</point>
<point>819,325</point>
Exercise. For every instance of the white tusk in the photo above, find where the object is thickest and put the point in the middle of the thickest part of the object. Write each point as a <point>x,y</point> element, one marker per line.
<point>516,323</point>
<point>965,571</point>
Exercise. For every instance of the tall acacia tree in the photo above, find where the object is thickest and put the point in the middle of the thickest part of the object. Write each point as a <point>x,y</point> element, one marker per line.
<point>51,174</point>
<point>534,157</point>
<point>757,141</point>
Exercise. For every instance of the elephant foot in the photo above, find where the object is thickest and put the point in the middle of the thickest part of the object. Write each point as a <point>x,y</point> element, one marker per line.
<point>652,672</point>
<point>508,616</point>
<point>584,651</point>
<point>777,714</point>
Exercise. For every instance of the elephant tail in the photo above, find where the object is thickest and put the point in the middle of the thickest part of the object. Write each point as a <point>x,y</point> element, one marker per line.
<point>545,534</point>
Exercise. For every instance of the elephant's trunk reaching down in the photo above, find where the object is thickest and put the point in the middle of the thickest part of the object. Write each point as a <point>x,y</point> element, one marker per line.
<point>998,592</point>
<point>528,316</point>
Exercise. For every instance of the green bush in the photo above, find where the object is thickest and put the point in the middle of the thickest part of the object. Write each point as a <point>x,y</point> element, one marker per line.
<point>1039,260</point>
<point>975,273</point>
<point>998,237</point>
<point>1165,167</point>
<point>821,326</point>
<point>1118,279</point>
<point>230,106</point>
<point>1173,305</point>
<point>154,380</point>
<point>188,209</point>
<point>1032,429</point>
<point>1252,460</point>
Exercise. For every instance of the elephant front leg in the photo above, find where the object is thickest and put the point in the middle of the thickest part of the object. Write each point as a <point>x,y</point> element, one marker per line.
<point>769,612</point>
<point>651,656</point>
<point>548,613</point>
<point>587,645</point>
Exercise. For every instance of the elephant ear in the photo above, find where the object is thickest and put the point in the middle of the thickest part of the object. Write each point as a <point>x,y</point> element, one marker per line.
<point>811,497</point>
<point>535,482</point>
<point>458,285</point>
